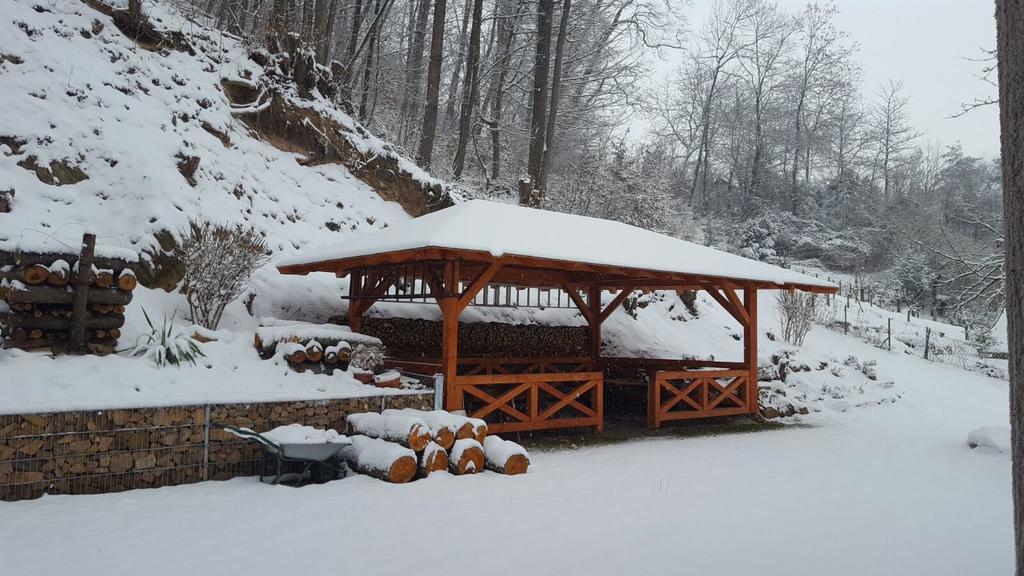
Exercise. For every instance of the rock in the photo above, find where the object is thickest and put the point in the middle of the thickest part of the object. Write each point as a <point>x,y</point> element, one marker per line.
<point>144,461</point>
<point>121,462</point>
<point>81,446</point>
<point>30,447</point>
<point>770,412</point>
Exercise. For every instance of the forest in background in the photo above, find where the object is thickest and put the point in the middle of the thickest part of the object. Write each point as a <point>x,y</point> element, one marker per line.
<point>764,141</point>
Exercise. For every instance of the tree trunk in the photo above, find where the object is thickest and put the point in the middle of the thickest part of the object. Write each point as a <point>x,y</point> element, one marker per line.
<point>453,85</point>
<point>470,90</point>
<point>1010,46</point>
<point>414,66</point>
<point>321,28</point>
<point>429,130</point>
<point>529,193</point>
<point>364,93</point>
<point>506,36</point>
<point>556,88</point>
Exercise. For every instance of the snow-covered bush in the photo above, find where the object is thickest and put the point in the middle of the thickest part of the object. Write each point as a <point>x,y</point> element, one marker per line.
<point>798,311</point>
<point>169,344</point>
<point>218,262</point>
<point>758,240</point>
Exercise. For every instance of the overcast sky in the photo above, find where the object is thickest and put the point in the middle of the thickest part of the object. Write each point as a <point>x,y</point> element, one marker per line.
<point>924,43</point>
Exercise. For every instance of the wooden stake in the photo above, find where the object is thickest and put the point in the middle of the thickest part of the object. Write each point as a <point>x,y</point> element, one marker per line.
<point>82,280</point>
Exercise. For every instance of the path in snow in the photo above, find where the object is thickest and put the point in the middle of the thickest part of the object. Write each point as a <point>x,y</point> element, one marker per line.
<point>885,490</point>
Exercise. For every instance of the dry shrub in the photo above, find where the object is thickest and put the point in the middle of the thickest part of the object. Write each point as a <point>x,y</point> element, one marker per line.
<point>798,311</point>
<point>218,261</point>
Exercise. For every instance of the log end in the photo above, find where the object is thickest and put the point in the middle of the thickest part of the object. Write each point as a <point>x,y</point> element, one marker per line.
<point>470,461</point>
<point>516,464</point>
<point>436,461</point>
<point>127,282</point>
<point>36,274</point>
<point>402,470</point>
<point>419,437</point>
<point>465,431</point>
<point>445,438</point>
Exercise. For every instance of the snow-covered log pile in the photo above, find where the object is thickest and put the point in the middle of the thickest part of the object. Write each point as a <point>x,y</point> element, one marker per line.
<point>439,441</point>
<point>47,296</point>
<point>445,427</point>
<point>318,347</point>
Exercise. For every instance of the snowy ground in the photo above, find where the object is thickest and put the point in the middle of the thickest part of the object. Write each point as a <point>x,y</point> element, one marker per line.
<point>890,489</point>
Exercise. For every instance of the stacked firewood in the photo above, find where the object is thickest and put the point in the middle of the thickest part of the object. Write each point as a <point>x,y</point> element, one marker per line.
<point>40,291</point>
<point>400,445</point>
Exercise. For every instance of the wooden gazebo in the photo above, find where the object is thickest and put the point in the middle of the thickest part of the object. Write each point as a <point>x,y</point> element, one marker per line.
<point>483,252</point>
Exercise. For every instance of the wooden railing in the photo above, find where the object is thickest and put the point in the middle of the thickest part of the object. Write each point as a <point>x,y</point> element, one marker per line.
<point>686,394</point>
<point>533,401</point>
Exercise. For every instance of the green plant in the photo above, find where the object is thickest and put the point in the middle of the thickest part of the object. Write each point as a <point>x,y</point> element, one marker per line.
<point>168,344</point>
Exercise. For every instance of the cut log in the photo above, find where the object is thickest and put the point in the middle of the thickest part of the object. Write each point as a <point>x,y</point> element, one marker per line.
<point>126,280</point>
<point>505,457</point>
<point>433,459</point>
<point>406,430</point>
<point>467,457</point>
<point>461,426</point>
<point>35,274</point>
<point>93,322</point>
<point>381,459</point>
<point>103,278</point>
<point>59,273</point>
<point>65,295</point>
<point>267,337</point>
<point>314,352</point>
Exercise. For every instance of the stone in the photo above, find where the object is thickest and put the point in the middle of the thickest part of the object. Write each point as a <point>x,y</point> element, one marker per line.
<point>144,461</point>
<point>30,447</point>
<point>121,462</point>
<point>770,412</point>
<point>81,446</point>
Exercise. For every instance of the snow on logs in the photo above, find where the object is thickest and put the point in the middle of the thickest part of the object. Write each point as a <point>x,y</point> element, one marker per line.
<point>505,456</point>
<point>408,431</point>
<point>40,291</point>
<point>445,424</point>
<point>381,459</point>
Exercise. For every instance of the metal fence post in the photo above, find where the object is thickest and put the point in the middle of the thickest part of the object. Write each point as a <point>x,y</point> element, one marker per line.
<point>888,339</point>
<point>206,445</point>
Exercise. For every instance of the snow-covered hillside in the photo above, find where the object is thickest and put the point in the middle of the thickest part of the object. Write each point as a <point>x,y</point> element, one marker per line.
<point>100,132</point>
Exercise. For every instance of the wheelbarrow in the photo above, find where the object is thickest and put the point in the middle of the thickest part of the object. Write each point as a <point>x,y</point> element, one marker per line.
<point>320,462</point>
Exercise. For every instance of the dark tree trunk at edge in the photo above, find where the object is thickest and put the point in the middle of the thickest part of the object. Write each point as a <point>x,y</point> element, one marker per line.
<point>1010,45</point>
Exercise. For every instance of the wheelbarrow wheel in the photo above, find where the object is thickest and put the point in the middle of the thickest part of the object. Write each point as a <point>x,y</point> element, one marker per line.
<point>323,472</point>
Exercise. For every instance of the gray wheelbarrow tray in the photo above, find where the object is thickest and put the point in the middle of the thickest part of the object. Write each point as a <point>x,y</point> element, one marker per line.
<point>320,461</point>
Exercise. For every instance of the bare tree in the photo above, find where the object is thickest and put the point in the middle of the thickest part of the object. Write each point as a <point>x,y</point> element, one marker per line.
<point>556,89</point>
<point>892,131</point>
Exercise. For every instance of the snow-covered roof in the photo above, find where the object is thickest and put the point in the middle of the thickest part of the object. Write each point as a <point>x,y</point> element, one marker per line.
<point>508,230</point>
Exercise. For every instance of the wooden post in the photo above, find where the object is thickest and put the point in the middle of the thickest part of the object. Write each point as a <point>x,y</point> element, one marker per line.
<point>594,302</point>
<point>76,340</point>
<point>355,315</point>
<point>449,303</point>
<point>888,339</point>
<point>750,347</point>
<point>927,341</point>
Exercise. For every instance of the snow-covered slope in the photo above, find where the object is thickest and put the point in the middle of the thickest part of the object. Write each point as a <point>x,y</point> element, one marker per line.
<point>99,132</point>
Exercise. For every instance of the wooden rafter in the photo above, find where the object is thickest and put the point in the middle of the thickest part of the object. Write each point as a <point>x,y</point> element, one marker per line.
<point>477,285</point>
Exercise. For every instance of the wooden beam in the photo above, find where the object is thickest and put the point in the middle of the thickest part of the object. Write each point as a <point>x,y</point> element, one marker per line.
<point>615,303</point>
<point>584,309</point>
<point>594,322</point>
<point>737,305</point>
<point>482,280</point>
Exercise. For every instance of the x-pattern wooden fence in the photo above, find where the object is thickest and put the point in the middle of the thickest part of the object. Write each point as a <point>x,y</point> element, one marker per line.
<point>686,394</point>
